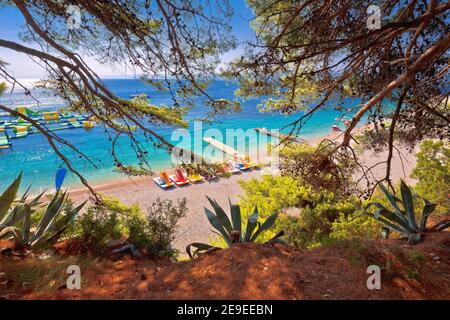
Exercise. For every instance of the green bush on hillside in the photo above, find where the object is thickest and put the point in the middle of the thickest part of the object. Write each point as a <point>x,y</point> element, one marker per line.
<point>101,223</point>
<point>355,225</point>
<point>308,217</point>
<point>432,171</point>
<point>324,220</point>
<point>272,194</point>
<point>152,232</point>
<point>157,233</point>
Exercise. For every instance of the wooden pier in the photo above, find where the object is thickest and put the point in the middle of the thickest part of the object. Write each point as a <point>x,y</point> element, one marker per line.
<point>223,147</point>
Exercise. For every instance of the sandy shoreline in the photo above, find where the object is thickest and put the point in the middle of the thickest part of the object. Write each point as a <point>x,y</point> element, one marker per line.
<point>195,227</point>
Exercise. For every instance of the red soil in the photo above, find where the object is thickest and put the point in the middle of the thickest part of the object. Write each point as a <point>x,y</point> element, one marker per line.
<point>252,271</point>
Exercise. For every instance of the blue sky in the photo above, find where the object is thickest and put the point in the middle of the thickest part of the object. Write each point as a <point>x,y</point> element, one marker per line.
<point>11,23</point>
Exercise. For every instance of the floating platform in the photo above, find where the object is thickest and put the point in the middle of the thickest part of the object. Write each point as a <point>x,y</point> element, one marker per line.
<point>50,120</point>
<point>4,139</point>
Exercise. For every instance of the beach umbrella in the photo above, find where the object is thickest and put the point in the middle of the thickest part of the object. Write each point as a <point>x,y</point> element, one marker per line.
<point>60,175</point>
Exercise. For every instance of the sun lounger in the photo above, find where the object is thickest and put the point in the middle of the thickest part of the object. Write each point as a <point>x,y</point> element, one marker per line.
<point>250,163</point>
<point>241,166</point>
<point>178,178</point>
<point>229,168</point>
<point>161,183</point>
<point>194,178</point>
<point>163,180</point>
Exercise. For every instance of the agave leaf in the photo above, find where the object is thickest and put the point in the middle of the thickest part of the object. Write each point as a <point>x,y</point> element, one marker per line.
<point>14,216</point>
<point>236,217</point>
<point>391,216</point>
<point>26,223</point>
<point>35,201</point>
<point>266,225</point>
<point>217,224</point>
<point>25,194</point>
<point>390,225</point>
<point>414,238</point>
<point>275,239</point>
<point>441,225</point>
<point>427,210</point>
<point>11,231</point>
<point>53,209</point>
<point>7,198</point>
<point>392,199</point>
<point>56,228</point>
<point>251,225</point>
<point>47,239</point>
<point>399,215</point>
<point>63,222</point>
<point>408,203</point>
<point>199,247</point>
<point>221,215</point>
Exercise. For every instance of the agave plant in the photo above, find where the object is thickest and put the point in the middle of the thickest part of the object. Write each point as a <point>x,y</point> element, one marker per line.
<point>231,231</point>
<point>402,218</point>
<point>12,211</point>
<point>53,223</point>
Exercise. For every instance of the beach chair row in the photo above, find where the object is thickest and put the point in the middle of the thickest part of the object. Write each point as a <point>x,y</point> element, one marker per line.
<point>181,178</point>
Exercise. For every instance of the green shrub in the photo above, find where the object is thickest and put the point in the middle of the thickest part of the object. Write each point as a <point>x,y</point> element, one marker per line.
<point>153,232</point>
<point>355,225</point>
<point>318,215</point>
<point>432,171</point>
<point>313,226</point>
<point>271,194</point>
<point>101,223</point>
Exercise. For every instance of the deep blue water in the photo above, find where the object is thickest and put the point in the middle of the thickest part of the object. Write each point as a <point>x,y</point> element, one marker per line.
<point>36,159</point>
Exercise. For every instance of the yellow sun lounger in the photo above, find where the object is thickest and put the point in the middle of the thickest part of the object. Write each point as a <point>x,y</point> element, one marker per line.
<point>194,177</point>
<point>250,163</point>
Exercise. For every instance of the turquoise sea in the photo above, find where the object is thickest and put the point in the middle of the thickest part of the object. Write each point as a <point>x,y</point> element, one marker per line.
<point>37,160</point>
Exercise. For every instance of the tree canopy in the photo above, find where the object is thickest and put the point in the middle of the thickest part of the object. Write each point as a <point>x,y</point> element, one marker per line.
<point>174,45</point>
<point>307,56</point>
<point>310,55</point>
